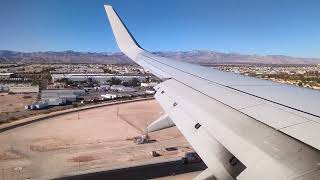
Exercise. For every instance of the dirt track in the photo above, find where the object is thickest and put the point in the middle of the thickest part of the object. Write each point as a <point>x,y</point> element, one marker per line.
<point>101,137</point>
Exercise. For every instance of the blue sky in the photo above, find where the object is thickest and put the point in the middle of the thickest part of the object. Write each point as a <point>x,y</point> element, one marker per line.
<point>286,27</point>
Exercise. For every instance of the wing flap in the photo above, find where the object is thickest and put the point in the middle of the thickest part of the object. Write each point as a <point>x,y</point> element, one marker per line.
<point>306,132</point>
<point>255,144</point>
<point>215,155</point>
<point>162,122</point>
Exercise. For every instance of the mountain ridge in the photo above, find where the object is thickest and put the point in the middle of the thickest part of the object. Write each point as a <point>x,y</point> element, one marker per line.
<point>193,56</point>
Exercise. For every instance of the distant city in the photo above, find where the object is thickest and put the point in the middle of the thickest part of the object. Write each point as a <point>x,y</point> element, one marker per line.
<point>52,87</point>
<point>52,81</point>
<point>300,75</point>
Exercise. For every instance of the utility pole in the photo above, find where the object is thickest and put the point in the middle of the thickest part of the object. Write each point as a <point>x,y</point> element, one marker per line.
<point>78,112</point>
<point>118,111</point>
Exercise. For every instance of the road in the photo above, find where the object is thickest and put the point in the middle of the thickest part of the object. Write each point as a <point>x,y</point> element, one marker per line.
<point>166,170</point>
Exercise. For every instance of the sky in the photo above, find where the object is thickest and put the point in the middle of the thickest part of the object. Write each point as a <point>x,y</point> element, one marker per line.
<point>265,27</point>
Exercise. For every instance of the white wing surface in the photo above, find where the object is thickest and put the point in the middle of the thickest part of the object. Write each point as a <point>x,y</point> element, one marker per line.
<point>242,127</point>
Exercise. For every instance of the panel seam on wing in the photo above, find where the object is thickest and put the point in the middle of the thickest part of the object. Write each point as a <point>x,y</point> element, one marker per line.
<point>228,86</point>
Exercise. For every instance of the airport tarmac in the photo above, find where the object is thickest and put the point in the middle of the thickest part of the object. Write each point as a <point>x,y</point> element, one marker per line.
<point>100,137</point>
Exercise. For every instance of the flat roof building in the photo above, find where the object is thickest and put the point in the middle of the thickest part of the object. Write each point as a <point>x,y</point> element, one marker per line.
<point>121,88</point>
<point>96,77</point>
<point>68,95</point>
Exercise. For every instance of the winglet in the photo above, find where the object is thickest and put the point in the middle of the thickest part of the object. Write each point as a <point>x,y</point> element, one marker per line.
<point>125,40</point>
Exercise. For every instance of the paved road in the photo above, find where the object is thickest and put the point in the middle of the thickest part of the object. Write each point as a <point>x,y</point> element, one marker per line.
<point>142,172</point>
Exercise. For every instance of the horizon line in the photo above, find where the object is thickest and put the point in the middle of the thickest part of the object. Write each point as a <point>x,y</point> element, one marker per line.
<point>201,50</point>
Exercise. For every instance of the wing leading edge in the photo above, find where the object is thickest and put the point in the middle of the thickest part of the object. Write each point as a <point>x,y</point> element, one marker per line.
<point>225,106</point>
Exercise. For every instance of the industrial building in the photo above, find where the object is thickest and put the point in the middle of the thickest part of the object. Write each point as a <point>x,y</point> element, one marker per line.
<point>121,88</point>
<point>152,84</point>
<point>96,77</point>
<point>24,88</point>
<point>19,88</point>
<point>61,96</point>
<point>108,96</point>
<point>56,101</point>
<point>5,75</point>
<point>102,88</point>
<point>4,88</point>
<point>37,106</point>
<point>56,98</point>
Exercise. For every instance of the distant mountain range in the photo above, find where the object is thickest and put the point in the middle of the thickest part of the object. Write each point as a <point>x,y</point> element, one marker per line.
<point>195,56</point>
<point>63,57</point>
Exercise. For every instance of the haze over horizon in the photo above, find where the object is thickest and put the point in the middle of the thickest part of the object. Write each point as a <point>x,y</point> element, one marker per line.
<point>165,51</point>
<point>283,27</point>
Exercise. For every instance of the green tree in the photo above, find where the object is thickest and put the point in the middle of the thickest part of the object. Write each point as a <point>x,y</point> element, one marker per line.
<point>48,77</point>
<point>134,82</point>
<point>107,70</point>
<point>114,81</point>
<point>35,82</point>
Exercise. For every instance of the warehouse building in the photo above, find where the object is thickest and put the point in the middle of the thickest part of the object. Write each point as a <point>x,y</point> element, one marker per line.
<point>24,88</point>
<point>108,96</point>
<point>96,77</point>
<point>121,88</point>
<point>61,96</point>
<point>37,106</point>
<point>4,88</point>
<point>152,84</point>
<point>5,75</point>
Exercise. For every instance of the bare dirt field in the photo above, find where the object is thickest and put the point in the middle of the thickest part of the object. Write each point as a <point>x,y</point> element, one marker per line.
<point>100,137</point>
<point>15,102</point>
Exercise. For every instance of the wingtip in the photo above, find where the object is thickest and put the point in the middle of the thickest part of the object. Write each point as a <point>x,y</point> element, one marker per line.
<point>124,38</point>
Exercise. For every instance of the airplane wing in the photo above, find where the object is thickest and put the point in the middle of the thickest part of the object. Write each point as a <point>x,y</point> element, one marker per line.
<point>242,127</point>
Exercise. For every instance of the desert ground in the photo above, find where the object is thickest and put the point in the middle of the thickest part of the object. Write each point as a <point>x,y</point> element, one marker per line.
<point>99,138</point>
<point>15,102</point>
